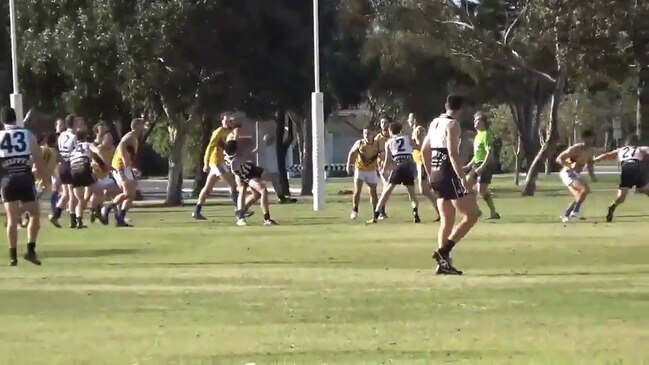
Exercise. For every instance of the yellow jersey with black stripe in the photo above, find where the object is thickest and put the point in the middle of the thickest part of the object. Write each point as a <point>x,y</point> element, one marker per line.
<point>214,153</point>
<point>49,160</point>
<point>381,138</point>
<point>106,155</point>
<point>117,161</point>
<point>367,156</point>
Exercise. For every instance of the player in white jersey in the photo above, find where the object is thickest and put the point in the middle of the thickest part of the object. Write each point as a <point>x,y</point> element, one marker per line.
<point>635,171</point>
<point>66,143</point>
<point>83,178</point>
<point>18,151</point>
<point>398,158</point>
<point>441,156</point>
<point>247,174</point>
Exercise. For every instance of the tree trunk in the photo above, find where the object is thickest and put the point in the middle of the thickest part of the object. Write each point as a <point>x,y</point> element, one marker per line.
<point>307,160</point>
<point>527,128</point>
<point>517,162</point>
<point>552,137</point>
<point>642,123</point>
<point>175,177</point>
<point>200,177</point>
<point>283,140</point>
<point>640,36</point>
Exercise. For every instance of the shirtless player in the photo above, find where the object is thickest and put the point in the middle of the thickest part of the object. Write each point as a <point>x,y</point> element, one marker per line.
<point>573,160</point>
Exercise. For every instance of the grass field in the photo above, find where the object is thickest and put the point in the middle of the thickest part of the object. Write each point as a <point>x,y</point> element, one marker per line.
<point>322,289</point>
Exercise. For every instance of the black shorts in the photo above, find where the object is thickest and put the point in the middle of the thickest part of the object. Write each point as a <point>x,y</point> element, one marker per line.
<point>65,173</point>
<point>634,175</point>
<point>18,188</point>
<point>403,174</point>
<point>82,178</point>
<point>484,177</point>
<point>449,188</point>
<point>249,171</point>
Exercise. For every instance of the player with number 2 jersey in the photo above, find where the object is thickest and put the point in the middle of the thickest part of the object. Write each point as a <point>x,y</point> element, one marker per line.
<point>398,158</point>
<point>634,160</point>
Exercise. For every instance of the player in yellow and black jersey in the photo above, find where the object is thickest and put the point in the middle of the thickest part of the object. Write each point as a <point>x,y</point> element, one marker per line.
<point>364,157</point>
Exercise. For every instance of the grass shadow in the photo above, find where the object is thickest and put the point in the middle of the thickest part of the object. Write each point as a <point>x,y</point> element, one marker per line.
<point>232,263</point>
<point>69,254</point>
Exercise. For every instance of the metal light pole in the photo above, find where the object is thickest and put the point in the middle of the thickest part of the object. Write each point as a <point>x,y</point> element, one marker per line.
<point>16,99</point>
<point>317,119</point>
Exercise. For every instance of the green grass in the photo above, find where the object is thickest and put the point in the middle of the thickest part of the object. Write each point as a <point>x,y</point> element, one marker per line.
<point>321,289</point>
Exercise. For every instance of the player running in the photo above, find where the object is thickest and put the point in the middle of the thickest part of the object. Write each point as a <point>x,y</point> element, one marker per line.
<point>214,163</point>
<point>441,156</point>
<point>123,165</point>
<point>418,136</point>
<point>248,174</point>
<point>18,150</point>
<point>398,158</point>
<point>82,176</point>
<point>481,166</point>
<point>635,171</point>
<point>573,160</point>
<point>365,153</point>
<point>382,137</point>
<point>66,143</point>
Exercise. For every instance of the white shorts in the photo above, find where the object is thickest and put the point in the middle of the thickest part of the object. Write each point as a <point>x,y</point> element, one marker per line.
<point>569,177</point>
<point>123,175</point>
<point>369,177</point>
<point>219,169</point>
<point>106,183</point>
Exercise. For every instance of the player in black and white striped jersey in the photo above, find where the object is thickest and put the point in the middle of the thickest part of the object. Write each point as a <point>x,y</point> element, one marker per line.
<point>66,143</point>
<point>634,160</point>
<point>398,159</point>
<point>18,150</point>
<point>441,155</point>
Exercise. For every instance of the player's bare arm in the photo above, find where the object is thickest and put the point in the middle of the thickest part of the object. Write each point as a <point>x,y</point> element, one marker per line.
<point>607,156</point>
<point>37,157</point>
<point>564,157</point>
<point>387,161</point>
<point>590,166</point>
<point>427,156</point>
<point>453,143</point>
<point>126,141</point>
<point>351,155</point>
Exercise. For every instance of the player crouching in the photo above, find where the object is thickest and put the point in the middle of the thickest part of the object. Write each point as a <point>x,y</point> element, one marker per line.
<point>247,175</point>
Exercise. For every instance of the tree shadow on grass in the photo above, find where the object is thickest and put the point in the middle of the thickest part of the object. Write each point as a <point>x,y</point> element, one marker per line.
<point>233,263</point>
<point>559,274</point>
<point>90,253</point>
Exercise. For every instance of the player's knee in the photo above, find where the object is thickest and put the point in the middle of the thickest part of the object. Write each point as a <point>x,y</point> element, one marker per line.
<point>586,191</point>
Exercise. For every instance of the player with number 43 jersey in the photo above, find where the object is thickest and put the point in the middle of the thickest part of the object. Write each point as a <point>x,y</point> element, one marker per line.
<point>18,151</point>
<point>634,174</point>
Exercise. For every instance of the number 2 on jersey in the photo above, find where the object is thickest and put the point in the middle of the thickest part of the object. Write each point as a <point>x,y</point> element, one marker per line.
<point>628,152</point>
<point>401,145</point>
<point>13,142</point>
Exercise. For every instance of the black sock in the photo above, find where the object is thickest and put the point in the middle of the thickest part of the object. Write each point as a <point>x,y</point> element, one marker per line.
<point>98,210</point>
<point>31,247</point>
<point>383,211</point>
<point>266,216</point>
<point>73,218</point>
<point>446,250</point>
<point>377,213</point>
<point>355,209</point>
<point>415,211</point>
<point>13,254</point>
<point>57,213</point>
